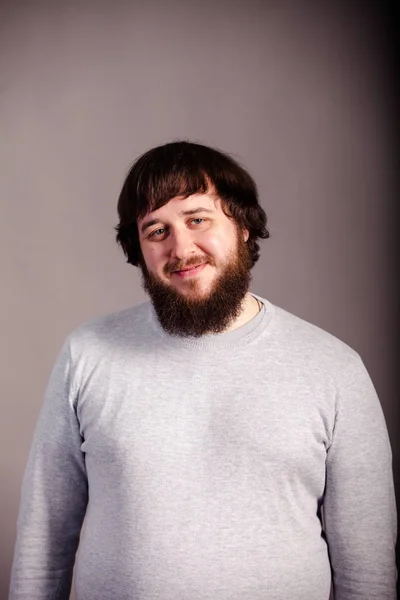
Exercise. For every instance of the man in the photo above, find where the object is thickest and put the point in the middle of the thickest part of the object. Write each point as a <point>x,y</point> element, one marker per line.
<point>204,433</point>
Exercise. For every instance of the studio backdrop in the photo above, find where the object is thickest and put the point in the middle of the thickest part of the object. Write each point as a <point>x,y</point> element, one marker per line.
<point>299,92</point>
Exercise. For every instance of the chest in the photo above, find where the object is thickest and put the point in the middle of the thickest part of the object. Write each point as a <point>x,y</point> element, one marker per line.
<point>191,421</point>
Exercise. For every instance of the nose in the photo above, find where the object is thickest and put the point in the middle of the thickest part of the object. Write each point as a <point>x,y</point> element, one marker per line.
<point>182,244</point>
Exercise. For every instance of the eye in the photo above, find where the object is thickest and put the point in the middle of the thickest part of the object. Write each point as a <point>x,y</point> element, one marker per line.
<point>198,219</point>
<point>157,233</point>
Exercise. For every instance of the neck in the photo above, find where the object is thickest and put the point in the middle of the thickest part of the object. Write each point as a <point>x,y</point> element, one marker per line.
<point>251,308</point>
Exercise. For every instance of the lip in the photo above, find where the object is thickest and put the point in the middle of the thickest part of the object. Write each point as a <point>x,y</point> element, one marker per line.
<point>192,271</point>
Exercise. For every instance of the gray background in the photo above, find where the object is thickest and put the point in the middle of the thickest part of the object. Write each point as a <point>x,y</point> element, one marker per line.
<point>299,92</point>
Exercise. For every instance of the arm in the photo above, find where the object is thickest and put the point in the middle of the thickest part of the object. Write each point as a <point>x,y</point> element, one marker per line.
<point>54,495</point>
<point>359,502</point>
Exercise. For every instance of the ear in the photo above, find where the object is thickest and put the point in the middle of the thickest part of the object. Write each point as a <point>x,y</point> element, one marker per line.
<point>246,234</point>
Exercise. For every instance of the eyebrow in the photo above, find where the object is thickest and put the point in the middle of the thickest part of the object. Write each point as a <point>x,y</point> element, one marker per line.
<point>183,213</point>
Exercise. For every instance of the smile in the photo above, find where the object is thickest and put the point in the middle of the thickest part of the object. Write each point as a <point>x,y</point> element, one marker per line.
<point>190,271</point>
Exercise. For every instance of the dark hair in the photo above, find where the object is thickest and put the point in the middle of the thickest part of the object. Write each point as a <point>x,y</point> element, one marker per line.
<point>181,169</point>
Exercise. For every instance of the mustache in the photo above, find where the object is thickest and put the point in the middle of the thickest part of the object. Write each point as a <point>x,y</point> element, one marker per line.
<point>178,265</point>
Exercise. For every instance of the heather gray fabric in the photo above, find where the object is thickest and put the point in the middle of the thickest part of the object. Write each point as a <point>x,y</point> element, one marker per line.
<point>202,465</point>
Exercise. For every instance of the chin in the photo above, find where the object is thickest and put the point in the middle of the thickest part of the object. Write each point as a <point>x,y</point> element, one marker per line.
<point>193,287</point>
<point>194,292</point>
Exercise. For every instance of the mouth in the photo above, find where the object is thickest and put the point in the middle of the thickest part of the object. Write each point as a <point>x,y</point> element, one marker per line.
<point>190,271</point>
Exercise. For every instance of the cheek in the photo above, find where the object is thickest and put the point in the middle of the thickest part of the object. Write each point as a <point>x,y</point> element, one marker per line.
<point>218,246</point>
<point>152,259</point>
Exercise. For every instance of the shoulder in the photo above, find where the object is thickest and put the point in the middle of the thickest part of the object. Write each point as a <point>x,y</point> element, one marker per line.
<point>301,341</point>
<point>112,330</point>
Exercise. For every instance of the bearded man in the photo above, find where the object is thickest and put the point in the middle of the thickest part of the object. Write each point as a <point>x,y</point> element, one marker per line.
<point>218,446</point>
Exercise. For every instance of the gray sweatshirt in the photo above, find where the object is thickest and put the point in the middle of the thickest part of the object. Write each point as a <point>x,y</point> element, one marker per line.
<point>200,467</point>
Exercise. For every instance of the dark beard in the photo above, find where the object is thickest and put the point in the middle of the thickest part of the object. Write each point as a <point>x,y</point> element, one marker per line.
<point>192,317</point>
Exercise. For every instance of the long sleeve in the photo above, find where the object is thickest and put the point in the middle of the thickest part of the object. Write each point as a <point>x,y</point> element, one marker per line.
<point>54,495</point>
<point>359,503</point>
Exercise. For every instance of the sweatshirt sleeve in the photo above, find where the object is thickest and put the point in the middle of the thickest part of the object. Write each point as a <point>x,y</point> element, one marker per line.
<point>359,503</point>
<point>54,495</point>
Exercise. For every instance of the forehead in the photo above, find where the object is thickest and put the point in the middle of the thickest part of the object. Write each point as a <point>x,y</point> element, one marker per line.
<point>178,206</point>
